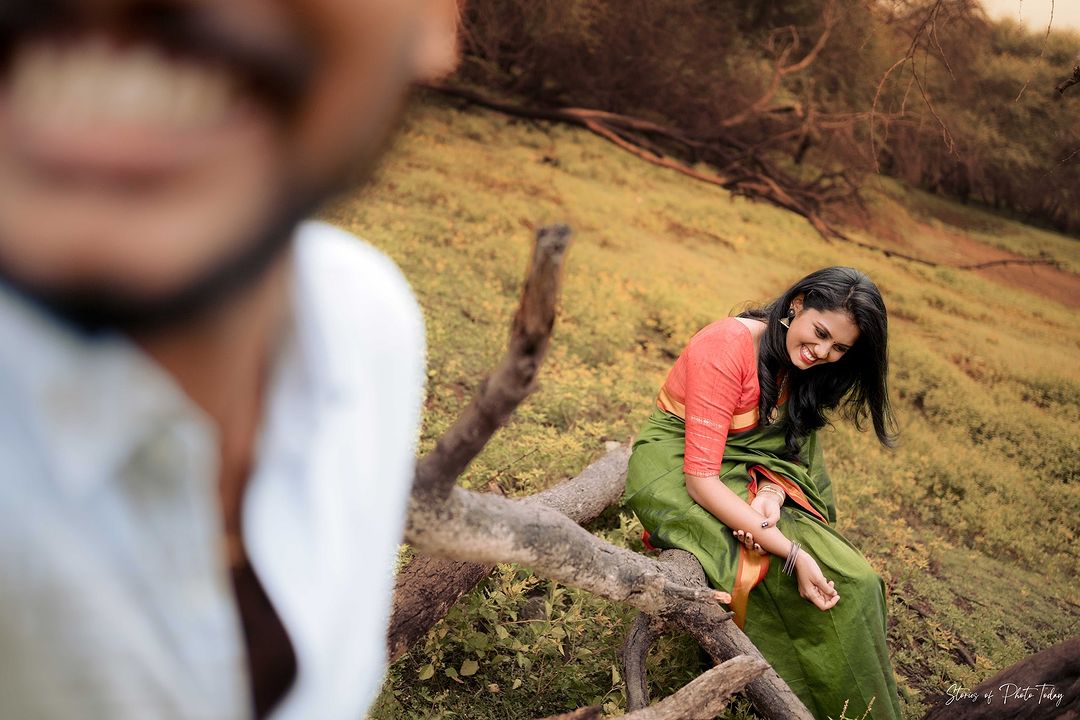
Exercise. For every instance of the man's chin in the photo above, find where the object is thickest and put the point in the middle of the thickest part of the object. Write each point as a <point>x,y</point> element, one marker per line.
<point>97,308</point>
<point>102,310</point>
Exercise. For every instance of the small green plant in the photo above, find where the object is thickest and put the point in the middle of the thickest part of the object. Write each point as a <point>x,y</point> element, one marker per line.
<point>866,713</point>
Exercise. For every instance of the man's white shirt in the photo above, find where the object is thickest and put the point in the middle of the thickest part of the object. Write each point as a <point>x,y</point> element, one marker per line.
<point>115,596</point>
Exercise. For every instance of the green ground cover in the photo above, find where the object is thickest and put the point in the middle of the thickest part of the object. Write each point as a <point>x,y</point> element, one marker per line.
<point>971,520</point>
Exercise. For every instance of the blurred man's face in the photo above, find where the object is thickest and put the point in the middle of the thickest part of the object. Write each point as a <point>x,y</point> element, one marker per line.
<point>150,150</point>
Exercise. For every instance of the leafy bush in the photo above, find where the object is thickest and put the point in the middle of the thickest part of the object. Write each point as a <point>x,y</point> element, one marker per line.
<point>981,121</point>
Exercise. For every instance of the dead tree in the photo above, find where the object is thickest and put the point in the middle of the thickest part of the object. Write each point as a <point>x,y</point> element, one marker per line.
<point>447,521</point>
<point>742,147</point>
<point>643,139</point>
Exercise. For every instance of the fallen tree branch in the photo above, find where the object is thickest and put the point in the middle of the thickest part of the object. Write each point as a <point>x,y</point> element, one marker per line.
<point>1009,261</point>
<point>447,521</point>
<point>960,266</point>
<point>486,528</point>
<point>511,382</point>
<point>643,632</point>
<point>703,698</point>
<point>569,115</point>
<point>751,177</point>
<point>804,201</point>
<point>1068,82</point>
<point>724,640</point>
<point>427,587</point>
<point>424,591</point>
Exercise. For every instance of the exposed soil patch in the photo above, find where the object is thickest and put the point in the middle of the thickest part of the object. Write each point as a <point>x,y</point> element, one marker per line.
<point>954,247</point>
<point>1051,282</point>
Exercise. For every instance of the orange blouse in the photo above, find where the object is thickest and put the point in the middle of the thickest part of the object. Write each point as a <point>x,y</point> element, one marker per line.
<point>713,387</point>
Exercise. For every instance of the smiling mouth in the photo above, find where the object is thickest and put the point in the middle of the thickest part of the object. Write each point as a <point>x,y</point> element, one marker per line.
<point>92,82</point>
<point>131,97</point>
<point>807,356</point>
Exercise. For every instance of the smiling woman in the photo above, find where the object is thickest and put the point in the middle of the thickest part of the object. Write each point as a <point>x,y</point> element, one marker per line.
<point>729,467</point>
<point>834,322</point>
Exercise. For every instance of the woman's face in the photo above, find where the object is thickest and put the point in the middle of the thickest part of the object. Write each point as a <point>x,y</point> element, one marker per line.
<point>817,337</point>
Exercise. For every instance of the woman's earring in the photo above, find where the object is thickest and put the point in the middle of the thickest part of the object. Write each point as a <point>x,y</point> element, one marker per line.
<point>786,322</point>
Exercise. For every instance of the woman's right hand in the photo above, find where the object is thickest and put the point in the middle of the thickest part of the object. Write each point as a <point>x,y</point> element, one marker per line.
<point>812,584</point>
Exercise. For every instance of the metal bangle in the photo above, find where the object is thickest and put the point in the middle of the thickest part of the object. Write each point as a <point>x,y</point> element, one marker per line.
<point>773,489</point>
<point>789,563</point>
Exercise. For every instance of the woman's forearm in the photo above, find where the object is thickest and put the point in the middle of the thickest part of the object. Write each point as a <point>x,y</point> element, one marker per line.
<point>720,500</point>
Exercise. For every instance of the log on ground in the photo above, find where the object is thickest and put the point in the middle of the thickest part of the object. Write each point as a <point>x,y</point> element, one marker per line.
<point>427,587</point>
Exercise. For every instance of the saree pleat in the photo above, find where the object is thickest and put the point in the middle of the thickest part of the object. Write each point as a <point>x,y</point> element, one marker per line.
<point>826,657</point>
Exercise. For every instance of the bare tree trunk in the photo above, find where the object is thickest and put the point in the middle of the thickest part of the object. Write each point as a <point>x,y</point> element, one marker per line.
<point>428,587</point>
<point>1043,686</point>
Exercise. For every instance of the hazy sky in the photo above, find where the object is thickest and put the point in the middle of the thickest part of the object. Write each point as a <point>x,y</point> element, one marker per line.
<point>1036,13</point>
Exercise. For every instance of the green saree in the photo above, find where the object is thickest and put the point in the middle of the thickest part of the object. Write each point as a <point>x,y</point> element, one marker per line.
<point>826,657</point>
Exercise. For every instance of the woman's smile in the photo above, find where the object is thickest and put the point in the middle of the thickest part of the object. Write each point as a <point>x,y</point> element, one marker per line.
<point>808,357</point>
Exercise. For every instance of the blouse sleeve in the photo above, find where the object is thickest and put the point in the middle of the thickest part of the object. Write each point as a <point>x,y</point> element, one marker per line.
<point>716,367</point>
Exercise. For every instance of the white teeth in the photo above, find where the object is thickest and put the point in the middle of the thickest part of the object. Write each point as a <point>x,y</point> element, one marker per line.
<point>34,78</point>
<point>199,97</point>
<point>95,83</point>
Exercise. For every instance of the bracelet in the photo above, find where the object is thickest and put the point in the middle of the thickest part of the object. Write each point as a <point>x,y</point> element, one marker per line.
<point>773,489</point>
<point>789,563</point>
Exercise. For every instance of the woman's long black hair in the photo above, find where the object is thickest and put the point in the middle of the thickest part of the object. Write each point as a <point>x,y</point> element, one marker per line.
<point>857,381</point>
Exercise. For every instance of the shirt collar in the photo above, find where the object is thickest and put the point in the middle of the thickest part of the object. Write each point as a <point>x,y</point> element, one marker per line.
<point>322,320</point>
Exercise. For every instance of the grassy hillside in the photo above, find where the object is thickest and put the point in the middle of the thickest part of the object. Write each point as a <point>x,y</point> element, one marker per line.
<point>971,520</point>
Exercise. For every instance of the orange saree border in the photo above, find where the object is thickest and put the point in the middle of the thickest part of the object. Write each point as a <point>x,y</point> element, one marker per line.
<point>749,571</point>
